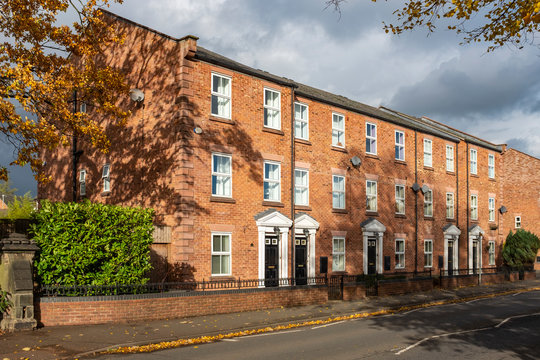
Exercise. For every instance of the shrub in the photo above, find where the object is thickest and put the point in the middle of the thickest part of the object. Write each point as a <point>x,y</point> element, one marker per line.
<point>92,244</point>
<point>520,249</point>
<point>5,303</point>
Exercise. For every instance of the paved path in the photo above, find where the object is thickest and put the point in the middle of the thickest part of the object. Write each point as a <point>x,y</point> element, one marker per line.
<point>72,341</point>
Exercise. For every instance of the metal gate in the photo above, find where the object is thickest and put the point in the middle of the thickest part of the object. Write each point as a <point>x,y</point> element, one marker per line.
<point>335,287</point>
<point>372,285</point>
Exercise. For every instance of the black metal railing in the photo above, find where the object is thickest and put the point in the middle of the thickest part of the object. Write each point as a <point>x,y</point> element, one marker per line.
<point>469,271</point>
<point>127,289</point>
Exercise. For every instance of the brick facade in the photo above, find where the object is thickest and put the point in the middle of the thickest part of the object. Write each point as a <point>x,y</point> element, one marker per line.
<point>159,160</point>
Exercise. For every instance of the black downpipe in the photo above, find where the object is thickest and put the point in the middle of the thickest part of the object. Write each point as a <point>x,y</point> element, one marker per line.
<point>74,153</point>
<point>415,203</point>
<point>293,235</point>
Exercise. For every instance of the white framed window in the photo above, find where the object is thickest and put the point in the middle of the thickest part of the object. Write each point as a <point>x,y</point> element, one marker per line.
<point>371,195</point>
<point>428,253</point>
<point>491,208</point>
<point>399,145</point>
<point>338,254</point>
<point>449,158</point>
<point>272,181</point>
<point>221,254</point>
<point>428,153</point>
<point>338,192</point>
<point>400,199</point>
<point>474,207</point>
<point>221,96</point>
<point>82,182</point>
<point>338,130</point>
<point>517,222</point>
<point>491,251</point>
<point>474,162</point>
<point>106,177</point>
<point>371,138</point>
<point>221,175</point>
<point>400,253</point>
<point>272,109</point>
<point>301,121</point>
<point>428,203</point>
<point>449,205</point>
<point>301,187</point>
<point>491,166</point>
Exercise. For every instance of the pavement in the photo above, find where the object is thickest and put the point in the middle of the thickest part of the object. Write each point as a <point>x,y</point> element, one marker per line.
<point>73,342</point>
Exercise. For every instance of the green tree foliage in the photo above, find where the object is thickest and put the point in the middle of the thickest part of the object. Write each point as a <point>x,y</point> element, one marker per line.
<point>5,302</point>
<point>21,207</point>
<point>92,244</point>
<point>520,249</point>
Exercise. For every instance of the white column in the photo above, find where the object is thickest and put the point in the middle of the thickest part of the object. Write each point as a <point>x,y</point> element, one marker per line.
<point>311,254</point>
<point>445,263</point>
<point>470,252</point>
<point>365,253</point>
<point>380,254</point>
<point>261,253</point>
<point>283,253</point>
<point>456,254</point>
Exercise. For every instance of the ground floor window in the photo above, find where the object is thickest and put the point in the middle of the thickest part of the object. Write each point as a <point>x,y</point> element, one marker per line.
<point>428,253</point>
<point>221,254</point>
<point>491,245</point>
<point>338,254</point>
<point>400,253</point>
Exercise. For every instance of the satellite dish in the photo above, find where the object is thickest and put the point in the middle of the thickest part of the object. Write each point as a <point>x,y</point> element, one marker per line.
<point>425,189</point>
<point>415,187</point>
<point>503,209</point>
<point>136,95</point>
<point>356,161</point>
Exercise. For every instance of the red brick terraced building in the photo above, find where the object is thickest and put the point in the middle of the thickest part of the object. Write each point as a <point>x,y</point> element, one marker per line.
<point>254,175</point>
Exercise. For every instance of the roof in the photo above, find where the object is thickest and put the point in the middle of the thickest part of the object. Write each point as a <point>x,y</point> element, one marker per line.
<point>320,95</point>
<point>450,130</point>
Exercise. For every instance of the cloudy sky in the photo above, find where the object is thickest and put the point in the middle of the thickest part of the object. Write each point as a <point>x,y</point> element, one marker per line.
<point>491,95</point>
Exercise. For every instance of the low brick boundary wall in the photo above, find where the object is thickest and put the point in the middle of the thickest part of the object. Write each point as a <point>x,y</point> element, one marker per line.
<point>356,291</point>
<point>113,309</point>
<point>529,275</point>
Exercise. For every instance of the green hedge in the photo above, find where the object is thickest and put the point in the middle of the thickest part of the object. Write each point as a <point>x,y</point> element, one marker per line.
<point>92,244</point>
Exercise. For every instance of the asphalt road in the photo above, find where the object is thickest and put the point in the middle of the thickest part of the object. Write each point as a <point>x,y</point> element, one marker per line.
<point>506,327</point>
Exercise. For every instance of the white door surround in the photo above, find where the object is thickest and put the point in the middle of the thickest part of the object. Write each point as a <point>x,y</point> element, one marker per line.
<point>373,228</point>
<point>475,234</point>
<point>304,223</point>
<point>451,234</point>
<point>268,222</point>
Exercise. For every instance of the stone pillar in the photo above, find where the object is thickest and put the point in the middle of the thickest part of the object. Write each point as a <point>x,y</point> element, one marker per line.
<point>16,256</point>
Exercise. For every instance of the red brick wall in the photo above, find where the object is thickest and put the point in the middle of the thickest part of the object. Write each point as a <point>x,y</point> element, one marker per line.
<point>113,311</point>
<point>400,287</point>
<point>458,281</point>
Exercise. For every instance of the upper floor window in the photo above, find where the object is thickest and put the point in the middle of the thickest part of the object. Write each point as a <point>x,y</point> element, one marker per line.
<point>491,251</point>
<point>400,253</point>
<point>301,187</point>
<point>428,155</point>
<point>400,199</point>
<point>474,162</point>
<point>371,195</point>
<point>338,254</point>
<point>272,109</point>
<point>221,175</point>
<point>474,207</point>
<point>449,158</point>
<point>221,96</point>
<point>400,145</point>
<point>338,130</point>
<point>338,192</point>
<point>221,254</point>
<point>82,182</point>
<point>301,124</point>
<point>491,207</point>
<point>449,205</point>
<point>491,166</point>
<point>428,203</point>
<point>272,181</point>
<point>517,222</point>
<point>106,177</point>
<point>371,138</point>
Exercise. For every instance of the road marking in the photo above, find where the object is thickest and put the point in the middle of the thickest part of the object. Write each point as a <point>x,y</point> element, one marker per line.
<point>410,311</point>
<point>273,333</point>
<point>326,325</point>
<point>231,340</point>
<point>464,332</point>
<point>468,302</point>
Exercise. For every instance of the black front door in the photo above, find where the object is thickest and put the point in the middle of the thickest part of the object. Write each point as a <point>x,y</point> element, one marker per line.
<point>450,258</point>
<point>300,261</point>
<point>475,256</point>
<point>372,256</point>
<point>271,264</point>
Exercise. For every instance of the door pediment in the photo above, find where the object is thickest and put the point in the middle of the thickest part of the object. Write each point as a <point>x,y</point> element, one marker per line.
<point>452,230</point>
<point>271,218</point>
<point>372,225</point>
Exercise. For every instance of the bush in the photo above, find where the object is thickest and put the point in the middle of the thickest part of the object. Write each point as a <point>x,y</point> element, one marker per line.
<point>520,249</point>
<point>92,244</point>
<point>5,303</point>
